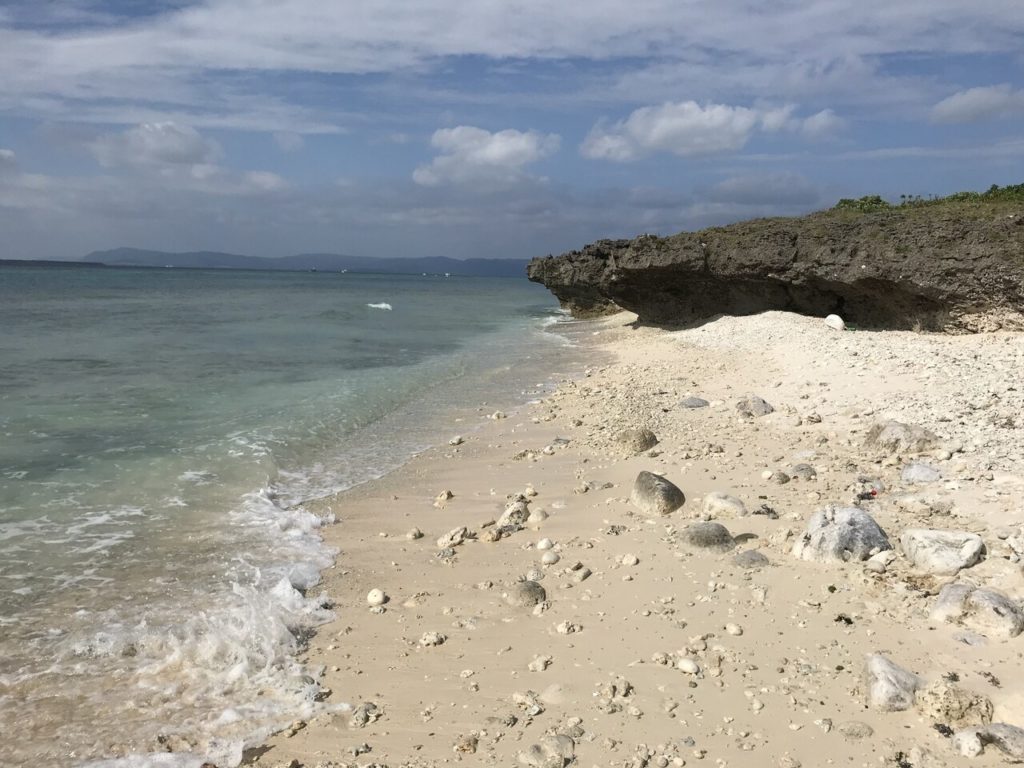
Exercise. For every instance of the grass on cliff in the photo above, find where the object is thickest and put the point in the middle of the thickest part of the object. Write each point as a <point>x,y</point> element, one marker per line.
<point>995,194</point>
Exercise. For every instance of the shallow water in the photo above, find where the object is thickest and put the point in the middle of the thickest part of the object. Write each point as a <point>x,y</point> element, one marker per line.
<point>159,431</point>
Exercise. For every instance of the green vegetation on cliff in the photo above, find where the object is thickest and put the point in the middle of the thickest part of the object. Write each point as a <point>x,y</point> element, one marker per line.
<point>1013,193</point>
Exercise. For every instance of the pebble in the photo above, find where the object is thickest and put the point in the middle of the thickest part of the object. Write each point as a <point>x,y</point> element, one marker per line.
<point>430,639</point>
<point>376,597</point>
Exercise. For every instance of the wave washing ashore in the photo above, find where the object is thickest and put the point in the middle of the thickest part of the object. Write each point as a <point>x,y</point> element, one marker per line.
<point>161,431</point>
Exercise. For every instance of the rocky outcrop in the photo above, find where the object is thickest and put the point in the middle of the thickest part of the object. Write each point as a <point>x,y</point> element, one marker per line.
<point>951,267</point>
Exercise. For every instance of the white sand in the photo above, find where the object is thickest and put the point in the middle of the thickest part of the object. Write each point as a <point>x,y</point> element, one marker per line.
<point>780,649</point>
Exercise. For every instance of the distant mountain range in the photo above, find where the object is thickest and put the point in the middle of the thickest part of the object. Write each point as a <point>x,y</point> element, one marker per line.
<point>304,262</point>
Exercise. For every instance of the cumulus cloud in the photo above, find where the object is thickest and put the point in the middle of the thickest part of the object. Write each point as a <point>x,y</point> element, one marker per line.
<point>983,103</point>
<point>469,154</point>
<point>689,129</point>
<point>153,145</point>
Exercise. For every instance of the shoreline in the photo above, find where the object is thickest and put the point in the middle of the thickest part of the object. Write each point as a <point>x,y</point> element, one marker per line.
<point>779,671</point>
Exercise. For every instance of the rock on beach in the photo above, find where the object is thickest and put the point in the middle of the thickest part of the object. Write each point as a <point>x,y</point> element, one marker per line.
<point>654,495</point>
<point>840,534</point>
<point>944,553</point>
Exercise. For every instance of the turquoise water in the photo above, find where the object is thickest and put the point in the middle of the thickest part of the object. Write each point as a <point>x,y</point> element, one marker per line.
<point>159,431</point>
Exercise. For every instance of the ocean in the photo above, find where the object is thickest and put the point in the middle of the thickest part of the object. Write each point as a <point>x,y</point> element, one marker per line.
<point>160,430</point>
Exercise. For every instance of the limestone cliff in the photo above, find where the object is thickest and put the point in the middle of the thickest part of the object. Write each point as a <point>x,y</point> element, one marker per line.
<point>952,266</point>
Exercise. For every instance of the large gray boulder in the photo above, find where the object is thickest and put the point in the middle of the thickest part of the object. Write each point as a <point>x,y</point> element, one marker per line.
<point>1008,739</point>
<point>713,536</point>
<point>896,437</point>
<point>634,441</point>
<point>943,553</point>
<point>983,610</point>
<point>840,534</point>
<point>654,495</point>
<point>887,686</point>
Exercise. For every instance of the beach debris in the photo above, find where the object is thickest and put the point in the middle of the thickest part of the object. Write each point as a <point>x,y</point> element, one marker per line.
<point>840,534</point>
<point>708,535</point>
<point>568,628</point>
<point>540,663</point>
<point>528,702</point>
<point>805,472</point>
<point>983,610</point>
<point>467,744</point>
<point>919,473</point>
<point>1009,739</point>
<point>944,553</point>
<point>636,440</point>
<point>443,498</point>
<point>525,594</point>
<point>718,504</point>
<point>733,629</point>
<point>376,597</point>
<point>454,537</point>
<point>413,534</point>
<point>457,440</point>
<point>552,751</point>
<point>895,437</point>
<point>430,639</point>
<point>694,402</point>
<point>497,416</point>
<point>945,702</point>
<point>753,406</point>
<point>550,558</point>
<point>654,495</point>
<point>835,322</point>
<point>629,560</point>
<point>365,713</point>
<point>887,686</point>
<point>516,513</point>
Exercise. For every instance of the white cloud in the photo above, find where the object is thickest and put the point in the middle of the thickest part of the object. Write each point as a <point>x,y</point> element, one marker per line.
<point>7,160</point>
<point>470,154</point>
<point>154,145</point>
<point>689,129</point>
<point>184,59</point>
<point>685,128</point>
<point>984,103</point>
<point>822,125</point>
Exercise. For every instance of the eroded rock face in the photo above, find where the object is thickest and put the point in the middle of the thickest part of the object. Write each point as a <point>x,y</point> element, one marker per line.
<point>841,534</point>
<point>891,269</point>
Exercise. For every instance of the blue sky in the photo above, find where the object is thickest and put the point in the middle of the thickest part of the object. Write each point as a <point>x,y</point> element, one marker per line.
<point>485,128</point>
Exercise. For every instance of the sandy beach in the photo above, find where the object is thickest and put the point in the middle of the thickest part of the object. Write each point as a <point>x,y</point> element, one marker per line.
<point>659,640</point>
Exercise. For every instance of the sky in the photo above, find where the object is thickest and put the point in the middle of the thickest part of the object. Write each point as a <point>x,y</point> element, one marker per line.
<point>485,128</point>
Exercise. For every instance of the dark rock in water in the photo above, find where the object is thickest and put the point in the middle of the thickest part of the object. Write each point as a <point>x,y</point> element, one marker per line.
<point>938,268</point>
<point>753,406</point>
<point>750,558</point>
<point>897,437</point>
<point>636,440</point>
<point>841,533</point>
<point>694,402</point>
<point>525,594</point>
<point>714,536</point>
